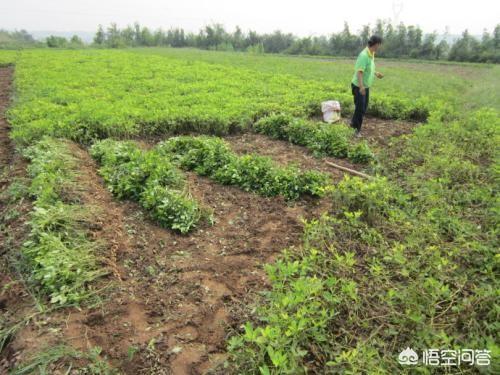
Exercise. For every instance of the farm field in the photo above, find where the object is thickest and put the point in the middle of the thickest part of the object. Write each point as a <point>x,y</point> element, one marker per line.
<point>172,211</point>
<point>476,83</point>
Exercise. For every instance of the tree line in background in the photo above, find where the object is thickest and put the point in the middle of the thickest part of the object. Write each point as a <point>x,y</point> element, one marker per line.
<point>400,41</point>
<point>16,39</point>
<point>23,39</point>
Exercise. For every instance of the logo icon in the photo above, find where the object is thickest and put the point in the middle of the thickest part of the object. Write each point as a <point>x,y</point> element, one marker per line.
<point>408,357</point>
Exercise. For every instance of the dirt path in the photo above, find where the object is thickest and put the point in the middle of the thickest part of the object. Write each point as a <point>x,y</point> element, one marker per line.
<point>15,299</point>
<point>6,147</point>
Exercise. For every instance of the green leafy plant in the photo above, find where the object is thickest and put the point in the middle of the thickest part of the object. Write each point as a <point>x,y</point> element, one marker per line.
<point>360,153</point>
<point>149,178</point>
<point>322,139</point>
<point>82,95</point>
<point>212,157</point>
<point>401,261</point>
<point>171,208</point>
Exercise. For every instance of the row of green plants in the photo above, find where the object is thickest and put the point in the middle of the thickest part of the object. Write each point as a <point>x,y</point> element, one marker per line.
<point>405,82</point>
<point>406,260</point>
<point>86,95</point>
<point>149,178</point>
<point>7,57</point>
<point>212,157</point>
<point>61,258</point>
<point>322,139</point>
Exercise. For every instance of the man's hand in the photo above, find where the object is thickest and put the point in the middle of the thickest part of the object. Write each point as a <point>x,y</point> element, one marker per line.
<point>362,90</point>
<point>379,75</point>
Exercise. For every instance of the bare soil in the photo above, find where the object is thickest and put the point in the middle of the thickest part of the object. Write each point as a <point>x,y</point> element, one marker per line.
<point>6,149</point>
<point>377,132</point>
<point>170,300</point>
<point>15,299</point>
<point>285,153</point>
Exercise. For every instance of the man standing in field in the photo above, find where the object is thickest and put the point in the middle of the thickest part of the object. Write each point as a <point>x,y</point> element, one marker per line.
<point>364,74</point>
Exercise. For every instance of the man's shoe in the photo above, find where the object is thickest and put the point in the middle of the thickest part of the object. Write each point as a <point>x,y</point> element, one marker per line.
<point>357,134</point>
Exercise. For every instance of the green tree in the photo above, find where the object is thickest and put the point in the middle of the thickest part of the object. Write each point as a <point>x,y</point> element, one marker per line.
<point>401,45</point>
<point>414,36</point>
<point>277,41</point>
<point>147,38</point>
<point>213,35</point>
<point>496,37</point>
<point>56,41</point>
<point>127,35</point>
<point>137,34</point>
<point>428,49</point>
<point>399,41</point>
<point>442,49</point>
<point>465,49</point>
<point>113,37</point>
<point>365,35</point>
<point>76,41</point>
<point>100,36</point>
<point>252,38</point>
<point>238,39</point>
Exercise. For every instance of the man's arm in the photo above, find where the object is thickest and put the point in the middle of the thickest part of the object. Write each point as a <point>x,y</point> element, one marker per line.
<point>360,82</point>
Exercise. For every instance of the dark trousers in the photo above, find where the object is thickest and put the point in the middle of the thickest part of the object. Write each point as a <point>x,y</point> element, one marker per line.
<point>360,106</point>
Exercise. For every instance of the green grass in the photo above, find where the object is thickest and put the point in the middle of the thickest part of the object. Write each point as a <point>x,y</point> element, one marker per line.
<point>7,57</point>
<point>457,82</point>
<point>483,90</point>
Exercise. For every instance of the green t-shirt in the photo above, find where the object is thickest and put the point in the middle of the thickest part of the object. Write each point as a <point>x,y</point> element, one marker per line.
<point>366,63</point>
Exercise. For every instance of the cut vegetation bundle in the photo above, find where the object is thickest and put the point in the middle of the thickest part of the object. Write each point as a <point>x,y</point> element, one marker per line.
<point>61,258</point>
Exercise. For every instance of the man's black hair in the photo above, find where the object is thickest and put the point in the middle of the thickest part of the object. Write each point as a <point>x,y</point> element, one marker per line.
<point>374,39</point>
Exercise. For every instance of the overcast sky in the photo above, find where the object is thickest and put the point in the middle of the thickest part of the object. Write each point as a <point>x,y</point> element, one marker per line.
<point>311,17</point>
